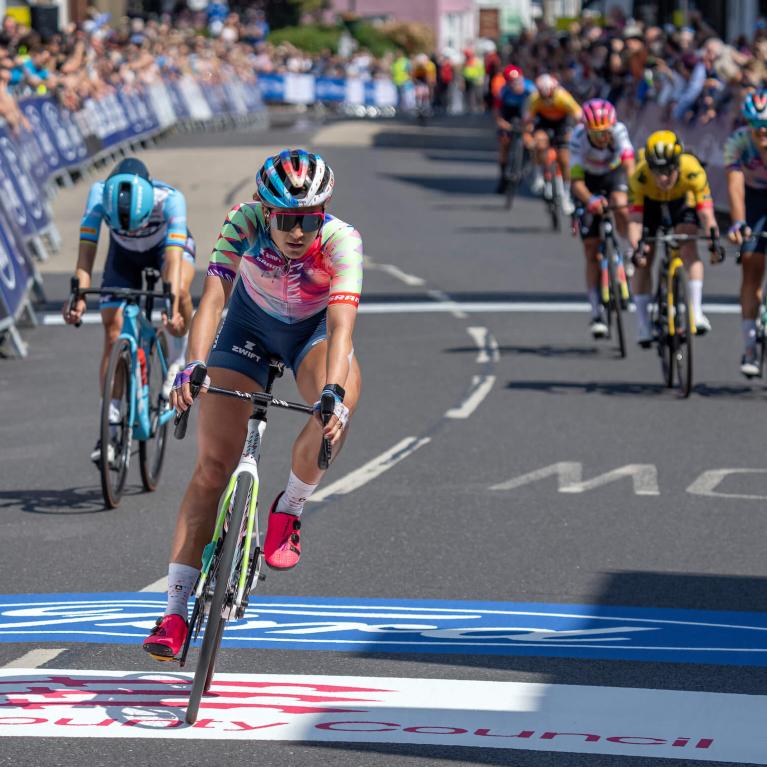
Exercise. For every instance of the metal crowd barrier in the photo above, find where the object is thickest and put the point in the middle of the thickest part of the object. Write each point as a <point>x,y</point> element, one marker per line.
<point>60,146</point>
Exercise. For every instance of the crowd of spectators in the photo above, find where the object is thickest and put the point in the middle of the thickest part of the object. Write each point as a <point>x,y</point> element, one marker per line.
<point>688,71</point>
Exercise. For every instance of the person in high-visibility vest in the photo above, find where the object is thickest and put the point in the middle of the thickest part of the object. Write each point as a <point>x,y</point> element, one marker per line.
<point>473,77</point>
<point>400,74</point>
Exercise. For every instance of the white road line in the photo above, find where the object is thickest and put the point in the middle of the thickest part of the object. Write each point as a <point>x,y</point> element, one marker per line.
<point>395,271</point>
<point>161,584</point>
<point>372,469</point>
<point>444,299</point>
<point>456,308</point>
<point>480,388</point>
<point>486,343</point>
<point>36,658</point>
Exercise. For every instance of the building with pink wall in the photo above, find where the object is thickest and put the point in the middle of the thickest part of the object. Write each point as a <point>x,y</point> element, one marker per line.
<point>452,20</point>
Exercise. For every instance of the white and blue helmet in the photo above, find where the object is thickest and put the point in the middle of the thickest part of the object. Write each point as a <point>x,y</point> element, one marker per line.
<point>295,178</point>
<point>128,197</point>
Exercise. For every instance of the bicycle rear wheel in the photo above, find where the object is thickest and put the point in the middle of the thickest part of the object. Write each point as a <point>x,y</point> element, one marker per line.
<point>221,570</point>
<point>152,451</point>
<point>616,305</point>
<point>682,339</point>
<point>116,387</point>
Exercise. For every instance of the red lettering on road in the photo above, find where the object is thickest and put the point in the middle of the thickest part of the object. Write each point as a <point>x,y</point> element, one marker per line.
<point>487,734</point>
<point>436,730</point>
<point>630,740</point>
<point>680,742</point>
<point>704,743</point>
<point>22,720</point>
<point>552,735</point>
<point>66,721</point>
<point>243,726</point>
<point>167,723</point>
<point>389,726</point>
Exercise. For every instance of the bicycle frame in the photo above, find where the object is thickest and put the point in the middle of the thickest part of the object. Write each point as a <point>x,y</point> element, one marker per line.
<point>248,464</point>
<point>607,231</point>
<point>141,334</point>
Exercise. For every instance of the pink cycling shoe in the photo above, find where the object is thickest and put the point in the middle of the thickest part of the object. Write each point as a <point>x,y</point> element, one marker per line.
<point>282,548</point>
<point>167,637</point>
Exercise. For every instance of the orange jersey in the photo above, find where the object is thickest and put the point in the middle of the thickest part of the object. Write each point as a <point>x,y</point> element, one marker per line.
<point>559,107</point>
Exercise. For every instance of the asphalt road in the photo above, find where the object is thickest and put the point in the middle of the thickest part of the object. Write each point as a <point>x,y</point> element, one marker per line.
<point>438,525</point>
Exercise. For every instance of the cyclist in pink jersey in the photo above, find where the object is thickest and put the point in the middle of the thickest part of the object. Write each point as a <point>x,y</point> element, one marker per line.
<point>300,275</point>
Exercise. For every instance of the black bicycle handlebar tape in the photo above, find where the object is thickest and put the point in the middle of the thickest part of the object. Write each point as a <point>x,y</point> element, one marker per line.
<point>327,408</point>
<point>168,297</point>
<point>74,290</point>
<point>196,380</point>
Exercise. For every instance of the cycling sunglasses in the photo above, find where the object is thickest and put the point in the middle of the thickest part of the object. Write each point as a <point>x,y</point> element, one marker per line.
<point>308,222</point>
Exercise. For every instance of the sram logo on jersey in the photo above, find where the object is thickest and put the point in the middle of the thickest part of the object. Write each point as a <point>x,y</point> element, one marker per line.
<point>247,351</point>
<point>344,298</point>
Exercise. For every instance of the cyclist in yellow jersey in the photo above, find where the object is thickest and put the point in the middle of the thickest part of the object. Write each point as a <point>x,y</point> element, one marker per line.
<point>424,76</point>
<point>549,112</point>
<point>667,174</point>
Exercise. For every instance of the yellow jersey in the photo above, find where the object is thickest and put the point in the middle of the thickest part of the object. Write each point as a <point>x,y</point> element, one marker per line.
<point>691,184</point>
<point>560,106</point>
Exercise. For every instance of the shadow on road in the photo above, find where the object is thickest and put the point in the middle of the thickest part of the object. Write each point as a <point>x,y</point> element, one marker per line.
<point>543,350</point>
<point>468,185</point>
<point>61,501</point>
<point>632,389</point>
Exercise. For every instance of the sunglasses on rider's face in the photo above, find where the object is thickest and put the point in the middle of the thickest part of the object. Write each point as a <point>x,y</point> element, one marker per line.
<point>308,222</point>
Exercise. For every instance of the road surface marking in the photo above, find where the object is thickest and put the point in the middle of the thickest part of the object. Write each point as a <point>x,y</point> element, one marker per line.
<point>36,658</point>
<point>394,271</point>
<point>545,717</point>
<point>486,343</point>
<point>444,300</point>
<point>480,388</point>
<point>372,469</point>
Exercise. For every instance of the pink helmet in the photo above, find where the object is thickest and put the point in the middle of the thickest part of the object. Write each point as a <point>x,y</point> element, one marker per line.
<point>599,115</point>
<point>546,85</point>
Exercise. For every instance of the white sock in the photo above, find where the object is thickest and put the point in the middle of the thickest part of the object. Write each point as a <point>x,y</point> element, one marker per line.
<point>749,333</point>
<point>696,298</point>
<point>596,304</point>
<point>181,580</point>
<point>642,302</point>
<point>295,495</point>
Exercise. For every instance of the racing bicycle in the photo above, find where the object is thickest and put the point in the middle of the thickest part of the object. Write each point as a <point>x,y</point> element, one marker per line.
<point>232,561</point>
<point>614,288</point>
<point>673,318</point>
<point>761,317</point>
<point>516,161</point>
<point>552,194</point>
<point>136,372</point>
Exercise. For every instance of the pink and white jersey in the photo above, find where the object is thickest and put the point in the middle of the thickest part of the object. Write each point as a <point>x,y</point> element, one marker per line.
<point>594,160</point>
<point>289,289</point>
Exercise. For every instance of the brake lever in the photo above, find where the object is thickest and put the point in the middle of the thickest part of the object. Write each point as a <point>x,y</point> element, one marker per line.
<point>196,380</point>
<point>74,294</point>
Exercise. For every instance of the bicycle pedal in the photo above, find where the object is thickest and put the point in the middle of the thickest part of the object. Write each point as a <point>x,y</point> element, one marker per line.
<point>262,576</point>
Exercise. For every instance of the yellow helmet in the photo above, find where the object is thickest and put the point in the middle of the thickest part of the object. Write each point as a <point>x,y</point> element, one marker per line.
<point>662,150</point>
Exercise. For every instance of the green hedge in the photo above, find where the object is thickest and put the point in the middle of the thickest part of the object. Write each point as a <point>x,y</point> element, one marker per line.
<point>314,38</point>
<point>309,38</point>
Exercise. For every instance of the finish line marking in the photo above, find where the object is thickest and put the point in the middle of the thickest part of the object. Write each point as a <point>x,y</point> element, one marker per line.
<point>449,307</point>
<point>553,718</point>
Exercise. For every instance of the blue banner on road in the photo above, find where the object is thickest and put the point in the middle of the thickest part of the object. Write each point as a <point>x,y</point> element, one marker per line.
<point>410,626</point>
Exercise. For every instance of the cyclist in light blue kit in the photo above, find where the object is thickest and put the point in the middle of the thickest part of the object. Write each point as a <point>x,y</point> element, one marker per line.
<point>147,228</point>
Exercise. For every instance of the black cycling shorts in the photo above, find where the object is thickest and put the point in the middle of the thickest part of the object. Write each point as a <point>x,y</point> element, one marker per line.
<point>557,130</point>
<point>680,211</point>
<point>756,220</point>
<point>603,184</point>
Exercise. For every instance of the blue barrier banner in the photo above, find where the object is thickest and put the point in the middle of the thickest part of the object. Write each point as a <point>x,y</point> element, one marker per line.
<point>26,205</point>
<point>330,89</point>
<point>62,136</point>
<point>179,106</point>
<point>272,87</point>
<point>15,273</point>
<point>41,133</point>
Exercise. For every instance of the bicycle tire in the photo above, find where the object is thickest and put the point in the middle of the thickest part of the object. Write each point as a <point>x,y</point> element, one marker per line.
<point>555,202</point>
<point>152,451</point>
<point>616,304</point>
<point>760,339</point>
<point>682,334</point>
<point>516,172</point>
<point>664,340</point>
<point>214,625</point>
<point>113,475</point>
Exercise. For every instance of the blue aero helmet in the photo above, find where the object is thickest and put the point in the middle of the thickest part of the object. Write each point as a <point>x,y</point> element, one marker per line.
<point>755,109</point>
<point>128,197</point>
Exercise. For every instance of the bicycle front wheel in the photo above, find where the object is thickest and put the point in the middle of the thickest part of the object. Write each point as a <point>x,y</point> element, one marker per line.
<point>616,312</point>
<point>116,433</point>
<point>516,172</point>
<point>222,596</point>
<point>682,339</point>
<point>152,451</point>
